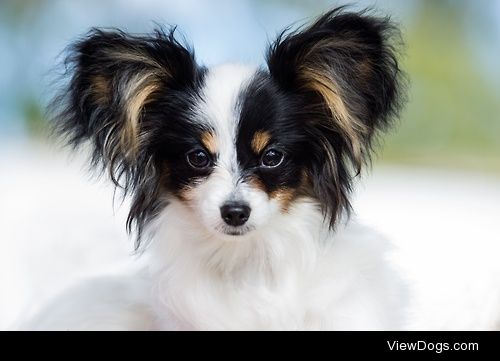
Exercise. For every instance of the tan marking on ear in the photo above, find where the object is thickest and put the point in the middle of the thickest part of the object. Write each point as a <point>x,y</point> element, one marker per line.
<point>134,93</point>
<point>320,81</point>
<point>137,93</point>
<point>319,78</point>
<point>101,89</point>
<point>126,55</point>
<point>209,141</point>
<point>260,140</point>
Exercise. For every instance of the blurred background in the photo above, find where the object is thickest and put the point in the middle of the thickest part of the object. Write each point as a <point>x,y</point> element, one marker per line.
<point>435,189</point>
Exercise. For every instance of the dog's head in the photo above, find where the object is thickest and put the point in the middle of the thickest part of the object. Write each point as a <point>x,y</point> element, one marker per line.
<point>236,145</point>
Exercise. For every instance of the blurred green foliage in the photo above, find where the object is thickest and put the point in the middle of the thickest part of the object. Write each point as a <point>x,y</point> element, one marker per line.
<point>35,121</point>
<point>453,114</point>
<point>16,13</point>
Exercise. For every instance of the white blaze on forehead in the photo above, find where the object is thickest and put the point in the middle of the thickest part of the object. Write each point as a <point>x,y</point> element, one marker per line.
<point>219,109</point>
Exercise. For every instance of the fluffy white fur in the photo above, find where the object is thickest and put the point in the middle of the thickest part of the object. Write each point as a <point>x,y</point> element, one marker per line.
<point>289,271</point>
<point>291,275</point>
<point>219,109</point>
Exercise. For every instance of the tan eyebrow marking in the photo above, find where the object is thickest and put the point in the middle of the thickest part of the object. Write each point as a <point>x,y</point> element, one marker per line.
<point>209,140</point>
<point>260,140</point>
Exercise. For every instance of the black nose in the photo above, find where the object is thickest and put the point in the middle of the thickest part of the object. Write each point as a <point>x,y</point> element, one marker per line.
<point>235,214</point>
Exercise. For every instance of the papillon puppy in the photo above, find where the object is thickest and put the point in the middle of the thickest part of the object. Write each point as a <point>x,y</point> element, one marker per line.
<point>239,179</point>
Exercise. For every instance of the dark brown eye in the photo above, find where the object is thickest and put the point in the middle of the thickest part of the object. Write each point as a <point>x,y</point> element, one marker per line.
<point>272,158</point>
<point>198,159</point>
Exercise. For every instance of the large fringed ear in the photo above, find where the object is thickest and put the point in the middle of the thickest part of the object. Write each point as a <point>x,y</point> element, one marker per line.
<point>114,81</point>
<point>344,68</point>
<point>113,78</point>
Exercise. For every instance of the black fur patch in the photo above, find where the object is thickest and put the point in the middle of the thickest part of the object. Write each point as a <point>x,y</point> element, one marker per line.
<point>93,107</point>
<point>330,88</point>
<point>355,55</point>
<point>265,107</point>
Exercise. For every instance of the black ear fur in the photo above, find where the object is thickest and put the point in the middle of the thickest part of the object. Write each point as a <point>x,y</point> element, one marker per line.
<point>344,68</point>
<point>113,79</point>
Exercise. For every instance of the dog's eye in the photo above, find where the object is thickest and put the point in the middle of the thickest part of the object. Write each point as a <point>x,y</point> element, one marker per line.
<point>198,158</point>
<point>272,158</point>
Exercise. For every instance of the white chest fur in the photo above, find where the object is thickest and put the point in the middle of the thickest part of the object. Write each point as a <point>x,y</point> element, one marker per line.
<point>289,275</point>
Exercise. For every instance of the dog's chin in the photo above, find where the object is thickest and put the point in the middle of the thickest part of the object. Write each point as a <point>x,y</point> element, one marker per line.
<point>233,234</point>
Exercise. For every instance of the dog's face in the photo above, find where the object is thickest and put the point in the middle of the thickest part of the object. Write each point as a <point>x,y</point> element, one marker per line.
<point>242,154</point>
<point>236,145</point>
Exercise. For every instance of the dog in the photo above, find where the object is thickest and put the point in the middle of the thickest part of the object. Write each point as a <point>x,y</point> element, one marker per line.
<point>239,179</point>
